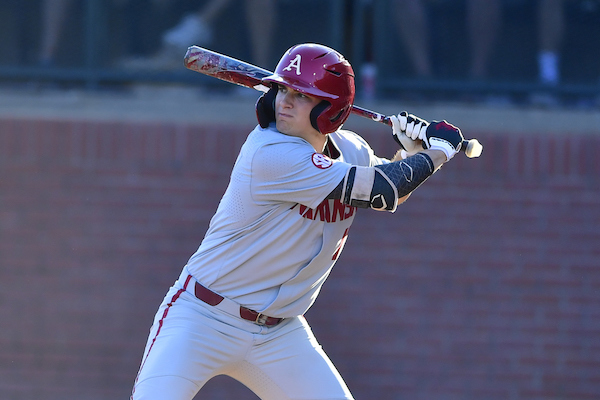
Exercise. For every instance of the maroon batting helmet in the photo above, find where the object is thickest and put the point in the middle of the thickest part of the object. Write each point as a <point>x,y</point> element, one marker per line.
<point>321,72</point>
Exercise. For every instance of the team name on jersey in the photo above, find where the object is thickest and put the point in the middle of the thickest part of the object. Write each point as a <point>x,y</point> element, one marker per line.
<point>328,211</point>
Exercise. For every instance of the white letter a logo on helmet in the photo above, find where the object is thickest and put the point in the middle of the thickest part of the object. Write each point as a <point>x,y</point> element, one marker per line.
<point>295,63</point>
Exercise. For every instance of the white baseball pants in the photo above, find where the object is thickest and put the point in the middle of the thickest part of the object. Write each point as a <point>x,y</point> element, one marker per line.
<point>190,342</point>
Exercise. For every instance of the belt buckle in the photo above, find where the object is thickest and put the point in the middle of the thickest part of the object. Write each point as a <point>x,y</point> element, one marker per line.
<point>261,319</point>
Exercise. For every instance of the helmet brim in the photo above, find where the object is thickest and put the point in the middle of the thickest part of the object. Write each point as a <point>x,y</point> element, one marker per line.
<point>300,86</point>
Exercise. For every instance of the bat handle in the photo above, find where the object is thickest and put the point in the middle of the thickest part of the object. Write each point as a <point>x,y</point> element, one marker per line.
<point>472,148</point>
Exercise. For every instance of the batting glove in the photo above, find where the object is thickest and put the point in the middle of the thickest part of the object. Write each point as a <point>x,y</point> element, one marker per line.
<point>409,131</point>
<point>440,135</point>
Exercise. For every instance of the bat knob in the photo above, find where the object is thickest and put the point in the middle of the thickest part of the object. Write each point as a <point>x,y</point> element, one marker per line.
<point>472,148</point>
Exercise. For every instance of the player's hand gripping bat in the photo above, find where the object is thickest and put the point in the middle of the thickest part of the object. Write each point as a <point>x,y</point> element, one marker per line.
<point>241,73</point>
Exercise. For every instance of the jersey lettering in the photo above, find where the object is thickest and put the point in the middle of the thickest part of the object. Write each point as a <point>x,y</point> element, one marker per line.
<point>295,63</point>
<point>328,211</point>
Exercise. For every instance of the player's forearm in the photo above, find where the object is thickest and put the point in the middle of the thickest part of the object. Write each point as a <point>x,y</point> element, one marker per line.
<point>384,186</point>
<point>408,174</point>
<point>437,157</point>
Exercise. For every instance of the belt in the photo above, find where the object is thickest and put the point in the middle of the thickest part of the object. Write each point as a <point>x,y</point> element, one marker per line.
<point>213,299</point>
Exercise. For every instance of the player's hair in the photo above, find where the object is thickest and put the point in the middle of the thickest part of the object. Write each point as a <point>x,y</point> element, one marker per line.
<point>320,72</point>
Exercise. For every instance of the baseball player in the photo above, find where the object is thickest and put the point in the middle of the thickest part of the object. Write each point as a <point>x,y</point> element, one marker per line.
<point>237,307</point>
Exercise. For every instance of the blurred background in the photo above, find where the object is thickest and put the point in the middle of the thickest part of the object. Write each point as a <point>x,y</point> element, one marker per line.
<point>539,51</point>
<point>113,157</point>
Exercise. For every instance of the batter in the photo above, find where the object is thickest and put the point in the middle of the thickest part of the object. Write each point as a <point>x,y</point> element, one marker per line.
<point>237,308</point>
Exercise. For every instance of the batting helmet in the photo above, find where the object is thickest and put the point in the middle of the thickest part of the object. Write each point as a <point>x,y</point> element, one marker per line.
<point>321,72</point>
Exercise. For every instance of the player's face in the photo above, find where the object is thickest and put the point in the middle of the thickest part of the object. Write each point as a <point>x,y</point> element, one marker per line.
<point>292,112</point>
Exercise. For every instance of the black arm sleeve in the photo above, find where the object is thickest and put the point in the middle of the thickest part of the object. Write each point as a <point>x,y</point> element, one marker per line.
<point>408,174</point>
<point>405,175</point>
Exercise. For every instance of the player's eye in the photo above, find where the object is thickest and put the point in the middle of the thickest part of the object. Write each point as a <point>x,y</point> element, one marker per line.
<point>303,97</point>
<point>306,98</point>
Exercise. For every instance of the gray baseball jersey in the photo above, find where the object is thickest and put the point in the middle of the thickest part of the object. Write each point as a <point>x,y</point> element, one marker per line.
<point>275,197</point>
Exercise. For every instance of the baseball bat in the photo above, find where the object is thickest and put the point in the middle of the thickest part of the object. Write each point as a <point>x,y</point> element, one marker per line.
<point>241,73</point>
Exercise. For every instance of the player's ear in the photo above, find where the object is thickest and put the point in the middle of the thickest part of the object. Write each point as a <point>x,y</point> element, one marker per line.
<point>265,107</point>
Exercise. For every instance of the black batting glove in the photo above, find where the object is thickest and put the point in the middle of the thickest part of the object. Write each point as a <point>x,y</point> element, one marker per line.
<point>440,135</point>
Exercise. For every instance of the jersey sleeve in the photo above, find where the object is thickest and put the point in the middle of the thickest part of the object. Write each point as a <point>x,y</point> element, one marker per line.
<point>356,149</point>
<point>294,173</point>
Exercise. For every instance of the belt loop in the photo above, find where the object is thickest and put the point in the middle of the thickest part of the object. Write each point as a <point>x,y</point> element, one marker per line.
<point>207,295</point>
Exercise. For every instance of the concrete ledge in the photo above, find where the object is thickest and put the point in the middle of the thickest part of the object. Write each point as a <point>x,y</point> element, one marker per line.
<point>199,106</point>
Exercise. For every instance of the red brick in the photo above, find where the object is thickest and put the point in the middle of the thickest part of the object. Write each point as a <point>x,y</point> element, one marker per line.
<point>485,284</point>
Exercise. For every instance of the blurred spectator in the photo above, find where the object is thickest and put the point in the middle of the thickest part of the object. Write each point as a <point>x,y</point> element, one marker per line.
<point>54,14</point>
<point>53,18</point>
<point>194,28</point>
<point>484,19</point>
<point>197,29</point>
<point>551,26</point>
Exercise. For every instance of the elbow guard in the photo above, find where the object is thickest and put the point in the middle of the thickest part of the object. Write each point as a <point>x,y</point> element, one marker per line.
<point>368,187</point>
<point>380,187</point>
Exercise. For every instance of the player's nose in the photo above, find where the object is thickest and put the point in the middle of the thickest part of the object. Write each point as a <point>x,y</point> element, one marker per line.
<point>288,98</point>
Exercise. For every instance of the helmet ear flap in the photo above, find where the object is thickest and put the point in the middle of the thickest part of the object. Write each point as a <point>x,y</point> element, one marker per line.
<point>316,111</point>
<point>265,107</point>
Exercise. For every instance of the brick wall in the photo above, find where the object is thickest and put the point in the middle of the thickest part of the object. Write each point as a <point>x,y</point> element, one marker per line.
<point>484,285</point>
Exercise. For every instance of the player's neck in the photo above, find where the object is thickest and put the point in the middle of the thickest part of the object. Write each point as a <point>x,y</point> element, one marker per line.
<point>316,139</point>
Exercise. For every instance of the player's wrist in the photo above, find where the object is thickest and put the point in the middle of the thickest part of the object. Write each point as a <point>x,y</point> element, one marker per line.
<point>443,146</point>
<point>437,156</point>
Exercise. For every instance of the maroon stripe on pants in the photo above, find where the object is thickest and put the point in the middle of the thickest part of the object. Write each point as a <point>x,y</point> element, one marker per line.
<point>160,325</point>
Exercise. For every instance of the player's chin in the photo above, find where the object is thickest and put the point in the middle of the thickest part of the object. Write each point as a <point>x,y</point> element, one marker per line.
<point>283,125</point>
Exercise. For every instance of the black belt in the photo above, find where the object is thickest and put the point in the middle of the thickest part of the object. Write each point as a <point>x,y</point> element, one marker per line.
<point>213,299</point>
